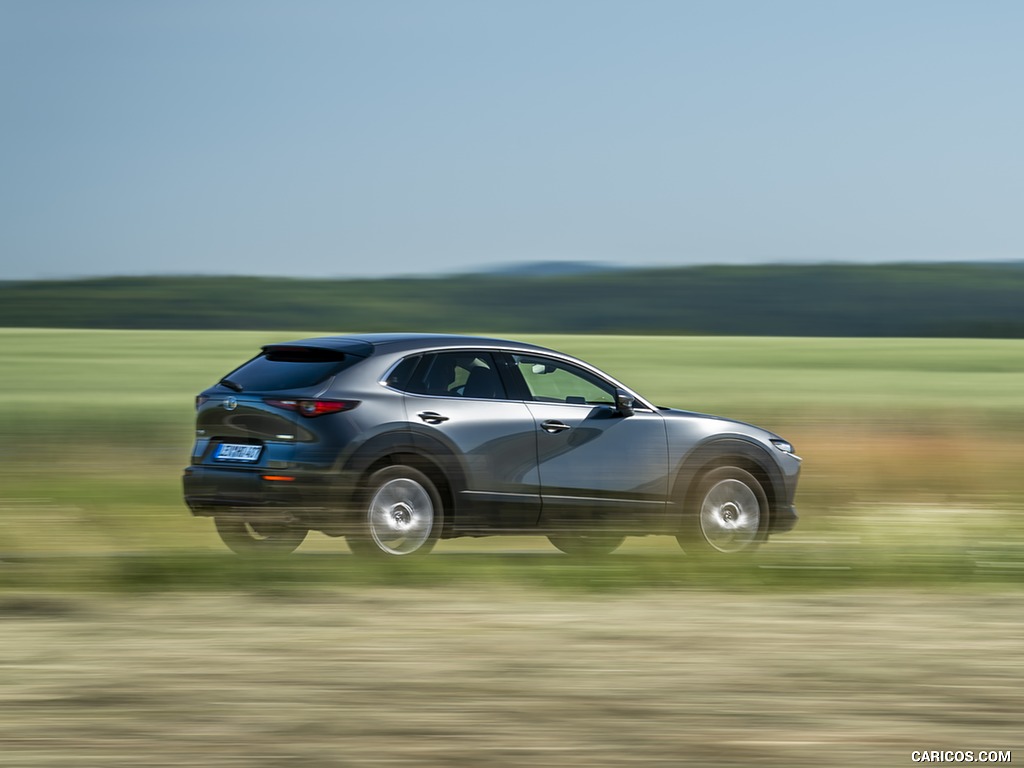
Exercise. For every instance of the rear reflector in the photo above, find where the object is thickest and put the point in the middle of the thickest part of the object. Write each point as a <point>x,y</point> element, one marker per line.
<point>313,408</point>
<point>278,478</point>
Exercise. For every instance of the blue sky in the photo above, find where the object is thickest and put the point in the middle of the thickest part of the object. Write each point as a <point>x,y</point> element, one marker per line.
<point>430,136</point>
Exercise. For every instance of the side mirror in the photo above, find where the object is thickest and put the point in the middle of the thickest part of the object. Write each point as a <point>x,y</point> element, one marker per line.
<point>624,402</point>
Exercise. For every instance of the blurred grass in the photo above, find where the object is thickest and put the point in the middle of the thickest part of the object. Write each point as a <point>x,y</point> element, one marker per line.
<point>143,573</point>
<point>912,454</point>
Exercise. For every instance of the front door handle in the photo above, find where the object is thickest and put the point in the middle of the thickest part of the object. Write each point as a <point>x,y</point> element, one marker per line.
<point>431,417</point>
<point>554,427</point>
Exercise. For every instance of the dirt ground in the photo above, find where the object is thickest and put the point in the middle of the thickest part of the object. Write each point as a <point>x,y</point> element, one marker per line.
<point>387,677</point>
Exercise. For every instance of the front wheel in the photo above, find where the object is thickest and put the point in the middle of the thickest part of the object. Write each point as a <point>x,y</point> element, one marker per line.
<point>244,537</point>
<point>733,509</point>
<point>402,515</point>
<point>587,545</point>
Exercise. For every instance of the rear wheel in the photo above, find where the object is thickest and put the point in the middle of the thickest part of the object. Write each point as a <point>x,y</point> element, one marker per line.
<point>402,514</point>
<point>733,508</point>
<point>587,545</point>
<point>253,538</point>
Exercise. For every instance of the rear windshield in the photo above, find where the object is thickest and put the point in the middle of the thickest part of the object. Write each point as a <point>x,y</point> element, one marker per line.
<point>283,368</point>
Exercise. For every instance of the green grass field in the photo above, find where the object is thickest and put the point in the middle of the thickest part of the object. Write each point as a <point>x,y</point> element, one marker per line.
<point>887,622</point>
<point>912,450</point>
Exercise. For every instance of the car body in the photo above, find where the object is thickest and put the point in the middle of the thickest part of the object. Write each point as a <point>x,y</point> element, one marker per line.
<point>397,440</point>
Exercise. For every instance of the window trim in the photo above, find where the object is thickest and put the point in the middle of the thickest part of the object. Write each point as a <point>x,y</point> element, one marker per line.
<point>512,379</point>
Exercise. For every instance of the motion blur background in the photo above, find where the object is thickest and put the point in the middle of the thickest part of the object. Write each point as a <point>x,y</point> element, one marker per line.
<point>798,214</point>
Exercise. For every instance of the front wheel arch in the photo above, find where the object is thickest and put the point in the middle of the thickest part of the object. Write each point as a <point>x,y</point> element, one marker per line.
<point>731,517</point>
<point>725,453</point>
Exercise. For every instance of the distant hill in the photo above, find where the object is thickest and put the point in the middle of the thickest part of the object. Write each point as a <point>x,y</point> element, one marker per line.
<point>550,269</point>
<point>955,300</point>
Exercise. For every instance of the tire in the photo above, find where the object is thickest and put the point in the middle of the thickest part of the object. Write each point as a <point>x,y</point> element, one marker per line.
<point>732,512</point>
<point>248,538</point>
<point>402,514</point>
<point>584,545</point>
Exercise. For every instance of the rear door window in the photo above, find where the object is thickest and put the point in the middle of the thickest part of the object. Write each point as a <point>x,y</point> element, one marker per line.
<point>285,368</point>
<point>458,374</point>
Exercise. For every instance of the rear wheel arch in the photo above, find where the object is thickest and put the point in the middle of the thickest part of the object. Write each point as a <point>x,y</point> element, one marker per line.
<point>436,460</point>
<point>429,467</point>
<point>403,514</point>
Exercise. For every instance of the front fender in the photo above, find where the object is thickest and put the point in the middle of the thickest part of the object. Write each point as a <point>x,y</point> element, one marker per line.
<point>725,451</point>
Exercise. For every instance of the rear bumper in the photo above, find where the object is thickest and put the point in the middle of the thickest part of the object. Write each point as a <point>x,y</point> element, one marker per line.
<point>213,491</point>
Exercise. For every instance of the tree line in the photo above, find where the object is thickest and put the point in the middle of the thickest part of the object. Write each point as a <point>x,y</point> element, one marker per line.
<point>950,300</point>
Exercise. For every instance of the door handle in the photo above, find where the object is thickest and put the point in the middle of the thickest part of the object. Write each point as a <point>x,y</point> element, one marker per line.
<point>431,417</point>
<point>554,427</point>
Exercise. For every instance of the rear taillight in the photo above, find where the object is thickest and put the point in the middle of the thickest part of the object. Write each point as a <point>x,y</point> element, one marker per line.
<point>200,399</point>
<point>313,408</point>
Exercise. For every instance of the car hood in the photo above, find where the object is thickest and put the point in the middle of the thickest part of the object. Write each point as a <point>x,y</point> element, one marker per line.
<point>678,413</point>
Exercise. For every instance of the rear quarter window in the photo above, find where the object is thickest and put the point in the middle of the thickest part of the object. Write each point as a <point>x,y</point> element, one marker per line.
<point>284,368</point>
<point>399,376</point>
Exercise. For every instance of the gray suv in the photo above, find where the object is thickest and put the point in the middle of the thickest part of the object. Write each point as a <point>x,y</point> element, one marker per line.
<point>397,440</point>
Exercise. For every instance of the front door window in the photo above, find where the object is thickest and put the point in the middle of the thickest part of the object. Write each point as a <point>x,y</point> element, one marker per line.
<point>553,381</point>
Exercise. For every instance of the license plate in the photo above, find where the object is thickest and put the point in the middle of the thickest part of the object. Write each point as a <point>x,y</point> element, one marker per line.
<point>236,452</point>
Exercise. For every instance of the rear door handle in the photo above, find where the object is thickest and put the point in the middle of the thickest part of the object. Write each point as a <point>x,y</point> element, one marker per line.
<point>554,427</point>
<point>431,417</point>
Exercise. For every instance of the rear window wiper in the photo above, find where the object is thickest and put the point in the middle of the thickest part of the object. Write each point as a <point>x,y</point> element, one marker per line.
<point>231,384</point>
